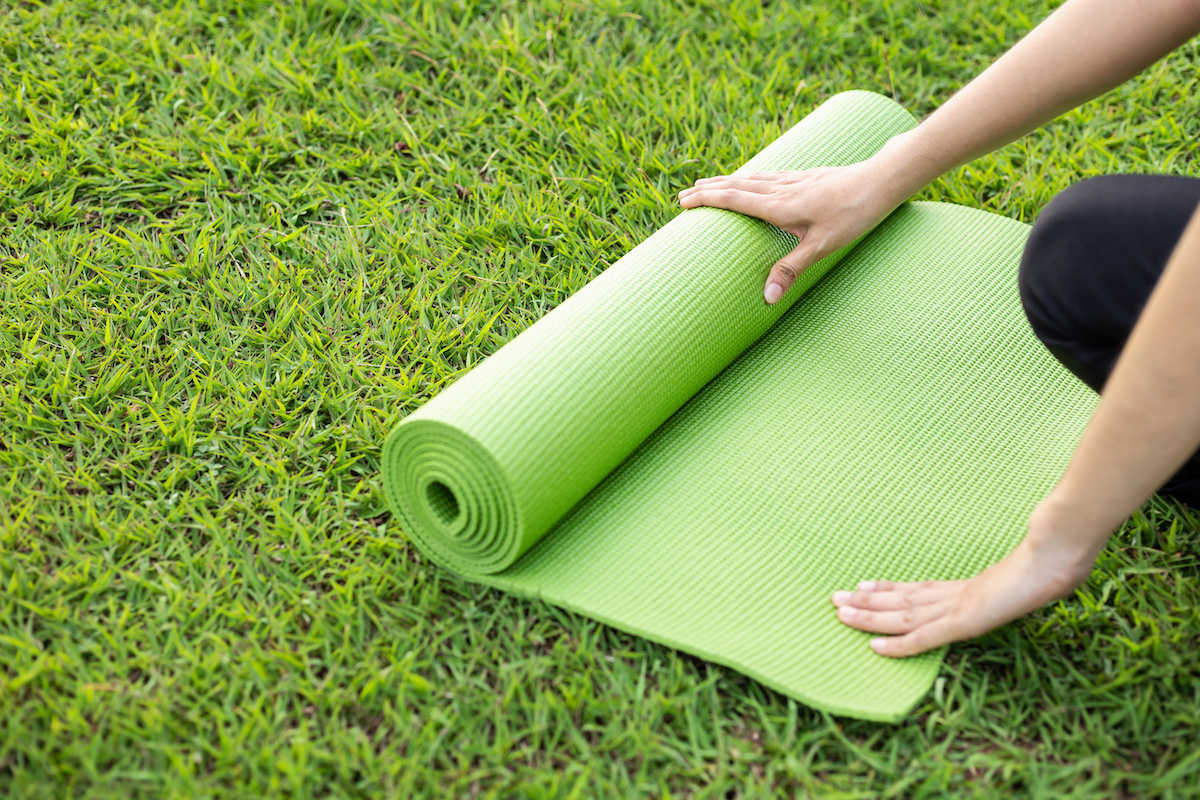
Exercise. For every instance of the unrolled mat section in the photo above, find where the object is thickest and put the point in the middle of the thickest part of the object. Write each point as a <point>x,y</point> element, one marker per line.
<point>898,421</point>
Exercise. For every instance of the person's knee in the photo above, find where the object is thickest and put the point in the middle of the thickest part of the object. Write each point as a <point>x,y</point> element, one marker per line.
<point>1052,276</point>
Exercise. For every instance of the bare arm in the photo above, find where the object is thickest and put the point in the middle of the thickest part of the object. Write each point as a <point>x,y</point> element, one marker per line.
<point>1082,50</point>
<point>1148,421</point>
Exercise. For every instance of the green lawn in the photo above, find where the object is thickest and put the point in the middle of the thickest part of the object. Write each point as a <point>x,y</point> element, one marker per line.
<point>239,241</point>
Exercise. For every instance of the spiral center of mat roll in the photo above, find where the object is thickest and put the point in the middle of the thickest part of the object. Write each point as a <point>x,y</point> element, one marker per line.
<point>454,501</point>
<point>443,502</point>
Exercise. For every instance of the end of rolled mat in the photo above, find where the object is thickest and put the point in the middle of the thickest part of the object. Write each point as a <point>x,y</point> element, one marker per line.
<point>443,502</point>
<point>451,497</point>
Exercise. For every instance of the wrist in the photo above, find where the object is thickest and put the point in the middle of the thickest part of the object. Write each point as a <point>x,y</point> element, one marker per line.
<point>901,167</point>
<point>1066,537</point>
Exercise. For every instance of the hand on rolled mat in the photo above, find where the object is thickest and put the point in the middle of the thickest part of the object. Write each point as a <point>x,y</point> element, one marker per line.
<point>825,208</point>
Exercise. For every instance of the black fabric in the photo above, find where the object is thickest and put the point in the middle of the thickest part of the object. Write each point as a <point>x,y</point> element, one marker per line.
<point>1094,254</point>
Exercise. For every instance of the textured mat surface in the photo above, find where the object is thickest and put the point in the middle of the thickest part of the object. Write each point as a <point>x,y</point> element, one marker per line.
<point>667,454</point>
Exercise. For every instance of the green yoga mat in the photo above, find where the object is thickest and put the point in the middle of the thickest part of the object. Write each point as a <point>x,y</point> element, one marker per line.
<point>667,454</point>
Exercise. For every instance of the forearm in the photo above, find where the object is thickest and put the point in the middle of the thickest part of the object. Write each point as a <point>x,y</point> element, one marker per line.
<point>1148,421</point>
<point>1083,49</point>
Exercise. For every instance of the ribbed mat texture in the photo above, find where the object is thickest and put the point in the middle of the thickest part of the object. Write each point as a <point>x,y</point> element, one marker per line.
<point>667,454</point>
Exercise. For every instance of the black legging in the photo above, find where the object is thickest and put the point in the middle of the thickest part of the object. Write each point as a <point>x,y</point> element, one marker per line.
<point>1094,255</point>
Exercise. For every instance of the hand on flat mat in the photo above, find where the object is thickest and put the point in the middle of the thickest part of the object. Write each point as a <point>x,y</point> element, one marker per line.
<point>827,208</point>
<point>929,614</point>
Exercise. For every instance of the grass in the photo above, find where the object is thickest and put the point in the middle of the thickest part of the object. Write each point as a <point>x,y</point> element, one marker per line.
<point>241,240</point>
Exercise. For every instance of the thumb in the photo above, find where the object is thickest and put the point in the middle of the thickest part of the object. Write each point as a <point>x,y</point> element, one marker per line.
<point>786,271</point>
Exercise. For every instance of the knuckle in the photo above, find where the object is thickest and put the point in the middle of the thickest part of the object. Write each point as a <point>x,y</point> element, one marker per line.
<point>787,272</point>
<point>909,617</point>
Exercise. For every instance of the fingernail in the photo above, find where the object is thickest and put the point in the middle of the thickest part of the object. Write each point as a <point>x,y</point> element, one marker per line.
<point>876,644</point>
<point>849,612</point>
<point>774,292</point>
<point>841,597</point>
<point>866,586</point>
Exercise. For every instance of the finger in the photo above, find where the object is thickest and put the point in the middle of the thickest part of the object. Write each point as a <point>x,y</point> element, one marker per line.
<point>901,621</point>
<point>787,270</point>
<point>769,175</point>
<point>902,586</point>
<point>742,182</point>
<point>892,601</point>
<point>749,203</point>
<point>754,176</point>
<point>703,182</point>
<point>919,640</point>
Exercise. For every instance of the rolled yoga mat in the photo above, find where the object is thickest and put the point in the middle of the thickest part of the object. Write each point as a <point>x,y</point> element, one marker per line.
<point>667,454</point>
